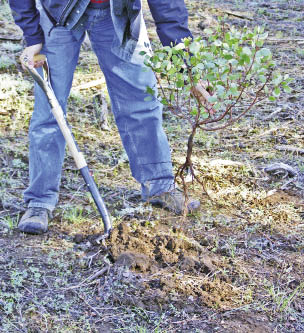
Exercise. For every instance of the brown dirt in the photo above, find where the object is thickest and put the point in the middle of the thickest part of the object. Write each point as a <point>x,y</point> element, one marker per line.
<point>171,264</point>
<point>247,323</point>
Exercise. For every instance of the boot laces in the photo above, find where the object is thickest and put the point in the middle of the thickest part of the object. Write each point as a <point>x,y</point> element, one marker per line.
<point>37,211</point>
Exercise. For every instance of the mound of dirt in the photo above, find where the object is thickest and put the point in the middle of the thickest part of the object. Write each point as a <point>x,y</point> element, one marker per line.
<point>144,249</point>
<point>172,266</point>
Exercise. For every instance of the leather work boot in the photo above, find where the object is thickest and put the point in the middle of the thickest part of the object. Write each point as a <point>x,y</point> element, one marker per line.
<point>34,221</point>
<point>174,201</point>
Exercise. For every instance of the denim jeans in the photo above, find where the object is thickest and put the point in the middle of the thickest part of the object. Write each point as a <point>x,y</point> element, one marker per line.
<point>139,122</point>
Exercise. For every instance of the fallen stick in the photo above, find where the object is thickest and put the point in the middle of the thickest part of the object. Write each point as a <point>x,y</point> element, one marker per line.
<point>285,40</point>
<point>246,16</point>
<point>90,278</point>
<point>237,14</point>
<point>291,149</point>
<point>90,84</point>
<point>272,114</point>
<point>11,38</point>
<point>275,168</point>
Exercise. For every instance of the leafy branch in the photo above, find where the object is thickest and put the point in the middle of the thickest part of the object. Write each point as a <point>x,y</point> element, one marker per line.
<point>213,83</point>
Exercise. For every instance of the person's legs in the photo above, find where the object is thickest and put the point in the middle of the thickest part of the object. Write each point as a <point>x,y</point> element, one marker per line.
<point>47,144</point>
<point>139,121</point>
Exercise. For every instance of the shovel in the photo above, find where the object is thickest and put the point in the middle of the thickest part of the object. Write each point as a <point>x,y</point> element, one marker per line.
<point>45,84</point>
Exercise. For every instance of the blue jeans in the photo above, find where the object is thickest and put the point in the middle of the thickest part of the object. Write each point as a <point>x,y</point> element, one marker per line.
<point>139,122</point>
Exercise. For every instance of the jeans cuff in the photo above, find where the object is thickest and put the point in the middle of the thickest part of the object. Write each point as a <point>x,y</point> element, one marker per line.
<point>156,187</point>
<point>41,205</point>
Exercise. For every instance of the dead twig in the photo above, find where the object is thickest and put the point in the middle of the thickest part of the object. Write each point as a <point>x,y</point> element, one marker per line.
<point>290,149</point>
<point>272,114</point>
<point>277,168</point>
<point>91,278</point>
<point>89,85</point>
<point>246,16</point>
<point>11,38</point>
<point>287,171</point>
<point>89,305</point>
<point>99,273</point>
<point>238,14</point>
<point>285,40</point>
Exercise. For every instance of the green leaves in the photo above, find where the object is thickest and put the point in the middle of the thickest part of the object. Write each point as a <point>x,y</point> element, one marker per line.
<point>246,50</point>
<point>195,47</point>
<point>180,83</point>
<point>234,64</point>
<point>233,90</point>
<point>264,53</point>
<point>287,89</point>
<point>150,91</point>
<point>276,92</point>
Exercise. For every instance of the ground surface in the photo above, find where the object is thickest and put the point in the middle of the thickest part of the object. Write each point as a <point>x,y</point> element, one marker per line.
<point>235,266</point>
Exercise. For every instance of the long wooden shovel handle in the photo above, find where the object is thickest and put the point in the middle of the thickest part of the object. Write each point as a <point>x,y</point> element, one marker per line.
<point>45,83</point>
